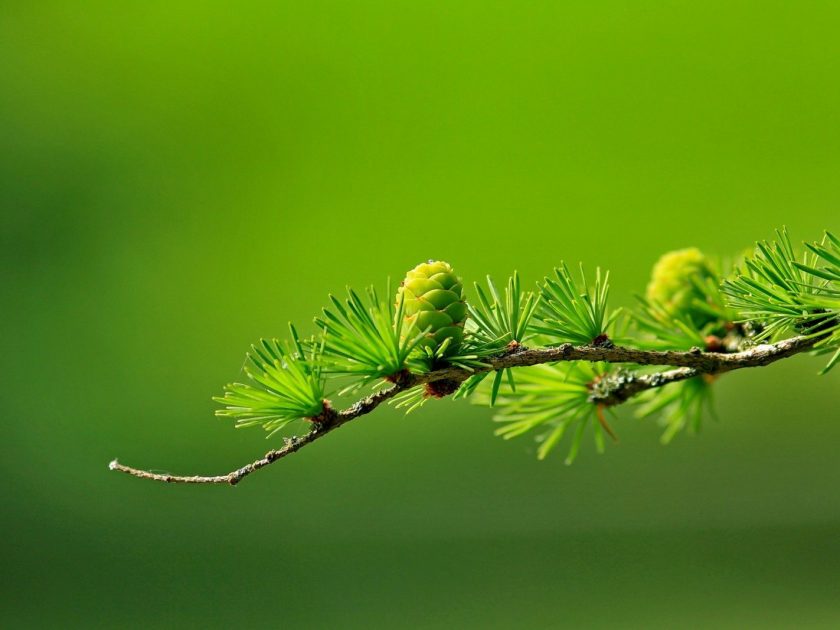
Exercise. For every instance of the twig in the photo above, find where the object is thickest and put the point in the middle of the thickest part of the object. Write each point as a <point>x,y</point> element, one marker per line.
<point>619,390</point>
<point>622,387</point>
<point>332,421</point>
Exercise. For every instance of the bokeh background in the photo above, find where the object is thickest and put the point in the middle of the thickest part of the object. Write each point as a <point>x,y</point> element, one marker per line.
<point>178,179</point>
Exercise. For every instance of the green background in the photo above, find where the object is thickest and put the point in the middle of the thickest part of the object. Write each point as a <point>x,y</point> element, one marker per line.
<point>178,179</point>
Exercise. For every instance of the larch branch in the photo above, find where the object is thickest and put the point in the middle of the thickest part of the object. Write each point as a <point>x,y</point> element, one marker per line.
<point>622,388</point>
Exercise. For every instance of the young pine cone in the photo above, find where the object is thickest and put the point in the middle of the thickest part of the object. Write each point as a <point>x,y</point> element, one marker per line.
<point>434,299</point>
<point>672,283</point>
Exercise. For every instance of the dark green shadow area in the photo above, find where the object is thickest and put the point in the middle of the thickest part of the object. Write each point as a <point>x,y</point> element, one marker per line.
<point>763,577</point>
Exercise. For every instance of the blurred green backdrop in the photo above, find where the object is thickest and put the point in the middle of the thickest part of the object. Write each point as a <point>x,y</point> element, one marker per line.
<point>178,179</point>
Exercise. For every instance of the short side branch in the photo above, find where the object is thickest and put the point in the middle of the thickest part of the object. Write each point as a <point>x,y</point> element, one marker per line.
<point>627,386</point>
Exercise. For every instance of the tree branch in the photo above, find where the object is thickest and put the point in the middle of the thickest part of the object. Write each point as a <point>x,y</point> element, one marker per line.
<point>614,391</point>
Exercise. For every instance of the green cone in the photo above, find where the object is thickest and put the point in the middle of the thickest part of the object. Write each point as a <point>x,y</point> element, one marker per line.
<point>672,285</point>
<point>434,299</point>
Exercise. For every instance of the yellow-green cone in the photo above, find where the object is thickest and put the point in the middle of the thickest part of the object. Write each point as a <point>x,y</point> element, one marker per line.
<point>672,285</point>
<point>434,299</point>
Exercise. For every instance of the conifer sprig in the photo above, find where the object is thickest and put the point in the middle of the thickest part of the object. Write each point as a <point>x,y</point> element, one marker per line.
<point>786,294</point>
<point>287,385</point>
<point>663,329</point>
<point>680,405</point>
<point>553,400</point>
<point>500,321</point>
<point>367,338</point>
<point>828,253</point>
<point>574,312</point>
<point>503,319</point>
